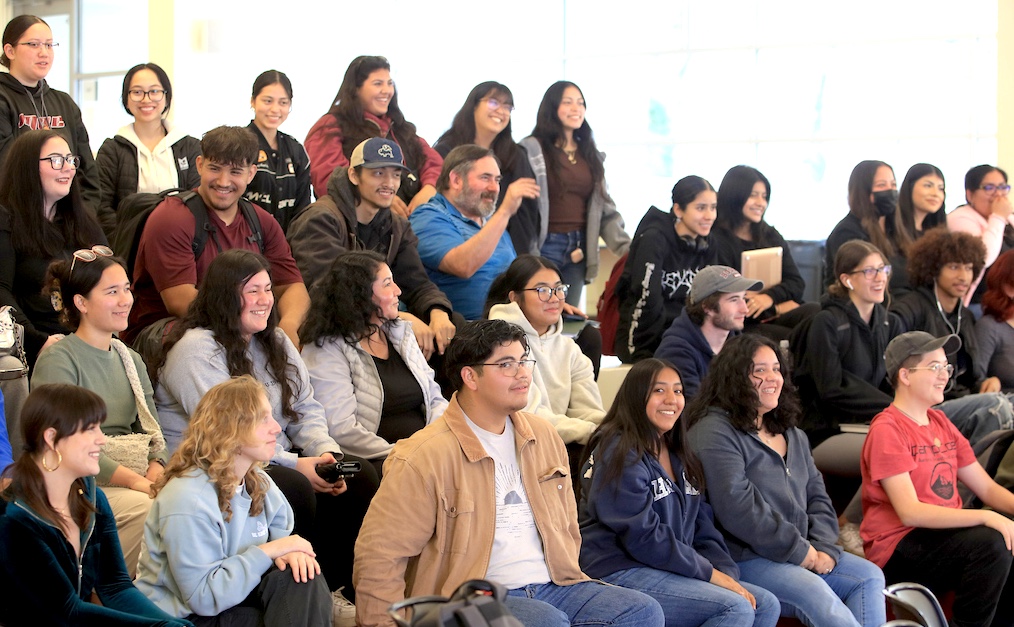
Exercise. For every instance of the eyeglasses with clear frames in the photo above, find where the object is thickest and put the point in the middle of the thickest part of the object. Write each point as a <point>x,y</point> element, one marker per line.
<point>936,368</point>
<point>494,104</point>
<point>35,45</point>
<point>989,188</point>
<point>871,273</point>
<point>57,161</point>
<point>545,292</point>
<point>88,255</point>
<point>511,368</point>
<point>154,95</point>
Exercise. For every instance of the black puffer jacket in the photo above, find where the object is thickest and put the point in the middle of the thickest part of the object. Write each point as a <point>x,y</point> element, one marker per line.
<point>117,164</point>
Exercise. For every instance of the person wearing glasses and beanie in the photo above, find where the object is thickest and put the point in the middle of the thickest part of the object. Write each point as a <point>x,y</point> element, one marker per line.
<point>531,294</point>
<point>42,218</point>
<point>914,525</point>
<point>986,216</point>
<point>147,155</point>
<point>28,103</point>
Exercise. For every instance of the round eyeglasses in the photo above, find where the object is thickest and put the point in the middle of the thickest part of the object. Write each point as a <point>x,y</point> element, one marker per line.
<point>545,292</point>
<point>57,161</point>
<point>154,95</point>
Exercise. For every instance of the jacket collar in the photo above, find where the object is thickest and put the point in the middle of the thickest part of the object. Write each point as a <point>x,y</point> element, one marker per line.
<point>469,442</point>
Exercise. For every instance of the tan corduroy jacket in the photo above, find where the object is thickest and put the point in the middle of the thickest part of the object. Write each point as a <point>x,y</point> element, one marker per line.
<point>430,527</point>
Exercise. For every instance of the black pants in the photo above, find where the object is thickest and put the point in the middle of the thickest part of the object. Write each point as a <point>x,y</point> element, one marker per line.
<point>973,562</point>
<point>277,601</point>
<point>330,523</point>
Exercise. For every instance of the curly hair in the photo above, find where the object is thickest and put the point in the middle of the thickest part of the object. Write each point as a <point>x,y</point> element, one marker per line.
<point>627,424</point>
<point>221,425</point>
<point>353,125</point>
<point>341,302</point>
<point>217,307</point>
<point>939,247</point>
<point>995,301</point>
<point>729,386</point>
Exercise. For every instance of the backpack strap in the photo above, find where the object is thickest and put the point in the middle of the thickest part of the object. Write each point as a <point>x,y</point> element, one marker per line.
<point>203,227</point>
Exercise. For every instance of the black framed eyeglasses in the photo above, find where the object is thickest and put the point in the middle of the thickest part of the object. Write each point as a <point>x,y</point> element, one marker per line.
<point>154,95</point>
<point>88,255</point>
<point>871,273</point>
<point>58,161</point>
<point>511,368</point>
<point>545,292</point>
<point>495,103</point>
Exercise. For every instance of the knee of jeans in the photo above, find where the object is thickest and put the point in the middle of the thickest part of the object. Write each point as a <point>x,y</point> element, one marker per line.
<point>1003,410</point>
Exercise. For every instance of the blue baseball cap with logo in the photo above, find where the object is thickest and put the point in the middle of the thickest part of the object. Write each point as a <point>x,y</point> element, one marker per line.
<point>377,152</point>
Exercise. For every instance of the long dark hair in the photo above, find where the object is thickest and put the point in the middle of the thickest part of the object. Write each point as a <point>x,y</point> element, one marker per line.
<point>548,130</point>
<point>462,129</point>
<point>514,278</point>
<point>729,386</point>
<point>68,409</point>
<point>217,308</point>
<point>893,237</point>
<point>21,194</point>
<point>354,127</point>
<point>627,424</point>
<point>82,281</point>
<point>341,302</point>
<point>735,190</point>
<point>271,77</point>
<point>907,209</point>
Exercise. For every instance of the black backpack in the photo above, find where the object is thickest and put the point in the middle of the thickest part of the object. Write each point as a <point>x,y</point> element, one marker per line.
<point>476,603</point>
<point>133,211</point>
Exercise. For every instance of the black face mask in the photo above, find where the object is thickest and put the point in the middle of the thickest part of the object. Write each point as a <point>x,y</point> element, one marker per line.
<point>886,202</point>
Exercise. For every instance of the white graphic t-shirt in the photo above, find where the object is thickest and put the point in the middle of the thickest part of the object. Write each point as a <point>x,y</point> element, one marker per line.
<point>517,559</point>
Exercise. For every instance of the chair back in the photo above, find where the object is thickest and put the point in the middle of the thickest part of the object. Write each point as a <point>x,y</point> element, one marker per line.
<point>915,602</point>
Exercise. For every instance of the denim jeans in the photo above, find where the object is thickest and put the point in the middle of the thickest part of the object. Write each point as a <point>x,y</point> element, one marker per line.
<point>585,603</point>
<point>976,415</point>
<point>851,594</point>
<point>557,248</point>
<point>689,602</point>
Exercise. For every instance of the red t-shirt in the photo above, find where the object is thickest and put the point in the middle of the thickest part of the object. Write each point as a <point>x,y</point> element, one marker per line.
<point>165,256</point>
<point>930,454</point>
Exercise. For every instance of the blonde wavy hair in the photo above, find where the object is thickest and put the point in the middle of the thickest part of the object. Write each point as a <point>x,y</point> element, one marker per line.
<point>220,426</point>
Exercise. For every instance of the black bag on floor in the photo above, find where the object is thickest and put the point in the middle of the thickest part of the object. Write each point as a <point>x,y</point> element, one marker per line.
<point>475,603</point>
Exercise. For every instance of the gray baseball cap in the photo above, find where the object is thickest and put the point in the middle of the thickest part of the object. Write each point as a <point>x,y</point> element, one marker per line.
<point>720,279</point>
<point>916,343</point>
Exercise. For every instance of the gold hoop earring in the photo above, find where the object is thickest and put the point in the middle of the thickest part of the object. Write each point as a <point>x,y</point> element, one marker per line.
<point>59,460</point>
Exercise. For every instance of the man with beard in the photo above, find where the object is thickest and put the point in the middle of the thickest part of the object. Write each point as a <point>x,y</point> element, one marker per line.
<point>463,240</point>
<point>355,214</point>
<point>166,273</point>
<point>716,309</point>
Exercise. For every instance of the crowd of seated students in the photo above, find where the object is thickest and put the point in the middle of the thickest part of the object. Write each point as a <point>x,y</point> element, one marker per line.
<point>285,344</point>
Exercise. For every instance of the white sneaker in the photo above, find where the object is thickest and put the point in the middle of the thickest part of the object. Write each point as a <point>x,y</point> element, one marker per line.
<point>344,610</point>
<point>850,540</point>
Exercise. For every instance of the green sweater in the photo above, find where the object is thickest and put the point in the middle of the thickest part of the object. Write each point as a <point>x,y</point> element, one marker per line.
<point>71,360</point>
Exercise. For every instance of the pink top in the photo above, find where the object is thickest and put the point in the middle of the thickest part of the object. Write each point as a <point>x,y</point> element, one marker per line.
<point>967,220</point>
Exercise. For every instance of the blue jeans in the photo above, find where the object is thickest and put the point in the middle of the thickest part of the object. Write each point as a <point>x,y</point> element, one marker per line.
<point>689,602</point>
<point>851,594</point>
<point>585,603</point>
<point>557,248</point>
<point>976,415</point>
